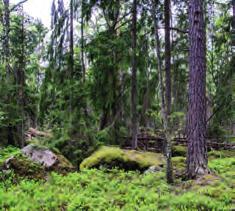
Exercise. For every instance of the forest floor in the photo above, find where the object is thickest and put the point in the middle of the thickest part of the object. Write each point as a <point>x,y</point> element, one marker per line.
<point>118,190</point>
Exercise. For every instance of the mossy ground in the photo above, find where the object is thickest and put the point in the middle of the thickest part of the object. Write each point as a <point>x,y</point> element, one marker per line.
<point>102,189</point>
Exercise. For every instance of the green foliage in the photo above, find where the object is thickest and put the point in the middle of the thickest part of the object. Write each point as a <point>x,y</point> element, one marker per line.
<point>19,167</point>
<point>7,152</point>
<point>223,165</point>
<point>194,202</point>
<point>179,151</point>
<point>215,130</point>
<point>119,190</point>
<point>112,157</point>
<point>75,146</point>
<point>221,154</point>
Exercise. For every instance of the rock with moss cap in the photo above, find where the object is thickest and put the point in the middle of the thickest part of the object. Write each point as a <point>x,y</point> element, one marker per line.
<point>33,162</point>
<point>50,160</point>
<point>114,157</point>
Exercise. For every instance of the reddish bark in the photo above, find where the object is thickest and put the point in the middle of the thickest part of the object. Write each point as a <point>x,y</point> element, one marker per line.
<point>196,117</point>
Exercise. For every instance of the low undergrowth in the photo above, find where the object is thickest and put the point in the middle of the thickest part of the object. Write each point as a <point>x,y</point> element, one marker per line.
<point>115,189</point>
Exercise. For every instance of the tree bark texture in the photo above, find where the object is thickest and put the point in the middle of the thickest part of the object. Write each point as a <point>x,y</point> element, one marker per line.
<point>20,74</point>
<point>196,117</point>
<point>134,77</point>
<point>167,54</point>
<point>6,32</point>
<point>71,42</point>
<point>82,43</point>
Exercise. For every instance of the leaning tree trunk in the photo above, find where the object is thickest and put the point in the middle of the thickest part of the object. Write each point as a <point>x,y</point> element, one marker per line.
<point>196,117</point>
<point>168,153</point>
<point>133,78</point>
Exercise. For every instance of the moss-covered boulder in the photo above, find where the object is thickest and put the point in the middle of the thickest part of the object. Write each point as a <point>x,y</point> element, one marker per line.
<point>113,157</point>
<point>21,166</point>
<point>50,160</point>
<point>33,162</point>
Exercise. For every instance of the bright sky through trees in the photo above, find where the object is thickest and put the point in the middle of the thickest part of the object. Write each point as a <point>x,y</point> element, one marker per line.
<point>38,9</point>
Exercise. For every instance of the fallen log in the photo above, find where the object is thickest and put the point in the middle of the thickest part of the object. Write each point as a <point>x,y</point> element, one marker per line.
<point>32,132</point>
<point>148,142</point>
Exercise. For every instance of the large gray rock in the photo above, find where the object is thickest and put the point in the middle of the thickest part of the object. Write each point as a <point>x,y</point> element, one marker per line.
<point>47,158</point>
<point>40,155</point>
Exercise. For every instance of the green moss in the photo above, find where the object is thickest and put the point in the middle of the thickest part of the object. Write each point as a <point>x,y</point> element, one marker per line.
<point>23,167</point>
<point>63,166</point>
<point>178,164</point>
<point>8,152</point>
<point>222,165</point>
<point>113,190</point>
<point>221,154</point>
<point>179,151</point>
<point>111,157</point>
<point>195,201</point>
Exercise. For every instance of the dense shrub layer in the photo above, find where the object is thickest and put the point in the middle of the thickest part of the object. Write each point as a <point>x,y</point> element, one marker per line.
<point>121,190</point>
<point>118,190</point>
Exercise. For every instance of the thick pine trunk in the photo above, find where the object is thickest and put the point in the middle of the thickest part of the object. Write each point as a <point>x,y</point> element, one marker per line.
<point>134,78</point>
<point>196,117</point>
<point>167,55</point>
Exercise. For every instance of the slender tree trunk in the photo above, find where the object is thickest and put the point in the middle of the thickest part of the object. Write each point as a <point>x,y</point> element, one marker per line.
<point>169,174</point>
<point>21,81</point>
<point>2,24</point>
<point>233,21</point>
<point>71,56</point>
<point>134,77</point>
<point>6,32</point>
<point>71,42</point>
<point>196,117</point>
<point>167,54</point>
<point>144,117</point>
<point>82,43</point>
<point>6,59</point>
